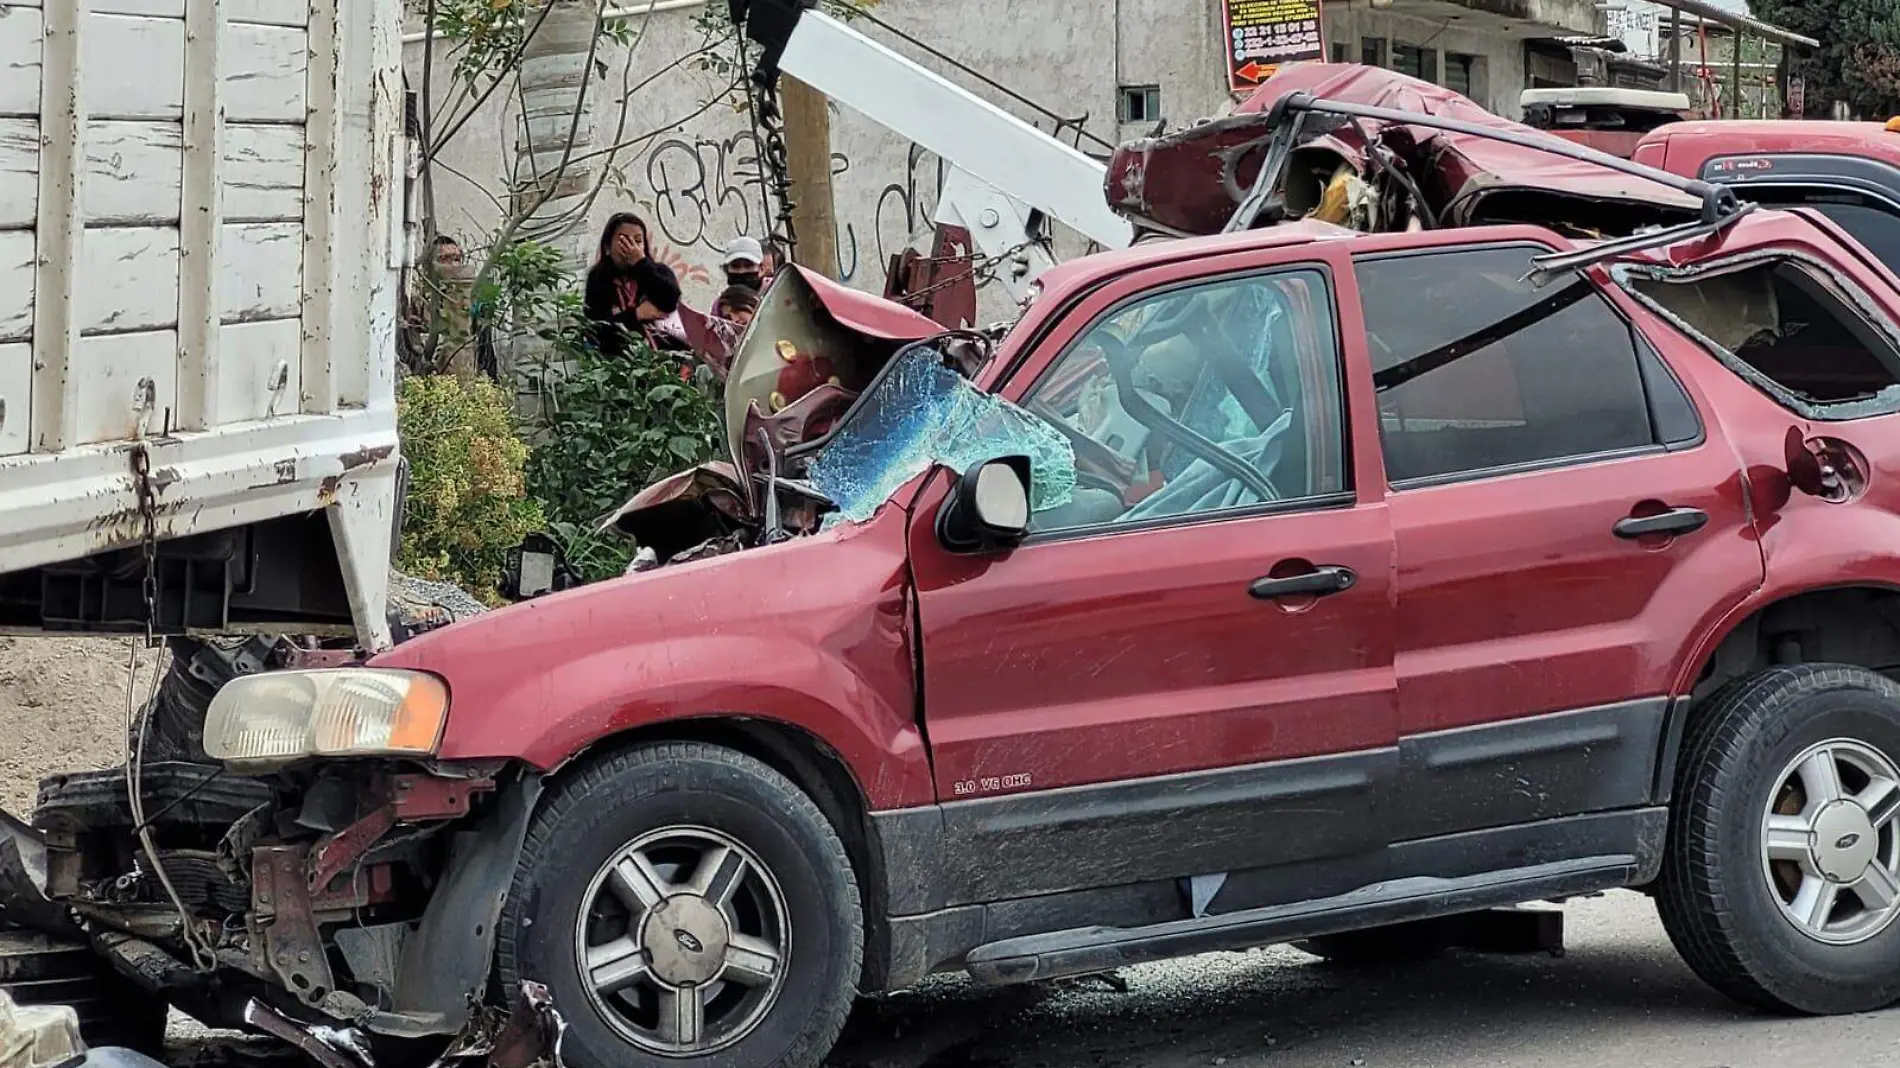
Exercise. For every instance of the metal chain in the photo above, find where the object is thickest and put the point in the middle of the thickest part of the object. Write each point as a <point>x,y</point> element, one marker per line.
<point>204,957</point>
<point>770,120</point>
<point>982,268</point>
<point>148,535</point>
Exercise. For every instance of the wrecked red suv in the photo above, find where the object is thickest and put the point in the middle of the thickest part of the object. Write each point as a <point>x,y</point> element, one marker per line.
<point>1291,584</point>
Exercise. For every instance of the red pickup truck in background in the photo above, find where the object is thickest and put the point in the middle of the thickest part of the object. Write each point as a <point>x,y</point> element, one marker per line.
<point>1847,171</point>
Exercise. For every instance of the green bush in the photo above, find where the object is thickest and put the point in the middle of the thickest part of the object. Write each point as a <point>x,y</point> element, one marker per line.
<point>468,503</point>
<point>614,425</point>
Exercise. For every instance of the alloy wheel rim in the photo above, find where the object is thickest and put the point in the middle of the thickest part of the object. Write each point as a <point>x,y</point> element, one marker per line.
<point>682,941</point>
<point>1830,842</point>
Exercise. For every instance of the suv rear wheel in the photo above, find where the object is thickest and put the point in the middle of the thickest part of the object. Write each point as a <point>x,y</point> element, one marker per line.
<point>686,905</point>
<point>1781,882</point>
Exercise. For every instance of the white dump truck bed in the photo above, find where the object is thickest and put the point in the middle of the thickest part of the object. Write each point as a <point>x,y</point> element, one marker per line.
<point>201,238</point>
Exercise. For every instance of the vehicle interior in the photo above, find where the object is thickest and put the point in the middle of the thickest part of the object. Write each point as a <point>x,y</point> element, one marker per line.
<point>1197,401</point>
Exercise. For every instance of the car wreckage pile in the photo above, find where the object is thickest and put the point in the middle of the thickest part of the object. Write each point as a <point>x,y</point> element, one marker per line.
<point>350,906</point>
<point>838,399</point>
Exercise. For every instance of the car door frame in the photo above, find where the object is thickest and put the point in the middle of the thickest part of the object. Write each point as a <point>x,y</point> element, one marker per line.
<point>1052,340</point>
<point>1511,750</point>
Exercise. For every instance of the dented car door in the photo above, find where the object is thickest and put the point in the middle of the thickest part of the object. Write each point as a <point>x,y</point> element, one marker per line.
<point>1186,668</point>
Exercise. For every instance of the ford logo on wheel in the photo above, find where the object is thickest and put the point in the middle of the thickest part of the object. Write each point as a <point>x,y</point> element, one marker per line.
<point>1846,841</point>
<point>686,940</point>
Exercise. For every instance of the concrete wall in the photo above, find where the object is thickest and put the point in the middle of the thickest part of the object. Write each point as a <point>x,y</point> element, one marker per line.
<point>694,171</point>
<point>1498,70</point>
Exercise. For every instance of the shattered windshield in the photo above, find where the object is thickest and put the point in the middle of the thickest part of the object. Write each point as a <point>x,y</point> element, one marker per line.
<point>922,413</point>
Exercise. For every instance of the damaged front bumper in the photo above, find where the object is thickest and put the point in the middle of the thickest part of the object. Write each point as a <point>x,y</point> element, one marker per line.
<point>364,907</point>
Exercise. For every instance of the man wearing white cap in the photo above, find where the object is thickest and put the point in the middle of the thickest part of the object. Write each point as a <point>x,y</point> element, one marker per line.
<point>744,263</point>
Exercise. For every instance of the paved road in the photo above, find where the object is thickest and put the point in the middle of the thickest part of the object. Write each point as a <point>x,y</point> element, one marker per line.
<point>1619,999</point>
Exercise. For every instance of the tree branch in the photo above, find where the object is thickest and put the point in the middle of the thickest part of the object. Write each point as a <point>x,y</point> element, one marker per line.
<point>546,189</point>
<point>668,128</point>
<point>513,64</point>
<point>433,338</point>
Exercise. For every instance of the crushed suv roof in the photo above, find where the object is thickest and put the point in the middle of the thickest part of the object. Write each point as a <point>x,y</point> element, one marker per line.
<point>1379,175</point>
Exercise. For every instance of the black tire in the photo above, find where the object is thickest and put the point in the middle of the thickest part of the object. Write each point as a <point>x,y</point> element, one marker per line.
<point>1404,943</point>
<point>601,808</point>
<point>1715,899</point>
<point>37,969</point>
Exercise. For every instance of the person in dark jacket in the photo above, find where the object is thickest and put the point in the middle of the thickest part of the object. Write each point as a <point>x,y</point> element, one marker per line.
<point>622,279</point>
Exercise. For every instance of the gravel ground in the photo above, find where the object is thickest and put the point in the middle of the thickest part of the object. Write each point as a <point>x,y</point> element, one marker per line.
<point>1619,999</point>
<point>62,708</point>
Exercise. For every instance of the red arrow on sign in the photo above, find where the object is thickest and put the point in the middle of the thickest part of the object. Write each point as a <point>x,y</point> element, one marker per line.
<point>1254,72</point>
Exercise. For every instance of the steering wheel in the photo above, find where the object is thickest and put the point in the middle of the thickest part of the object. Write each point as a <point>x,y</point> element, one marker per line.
<point>1170,317</point>
<point>1161,423</point>
<point>1108,463</point>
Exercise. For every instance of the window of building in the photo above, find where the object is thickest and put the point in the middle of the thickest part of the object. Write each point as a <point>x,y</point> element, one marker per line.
<point>1372,51</point>
<point>1141,103</point>
<point>1421,63</point>
<point>1477,370</point>
<point>1788,326</point>
<point>1339,51</point>
<point>1458,72</point>
<point>1190,402</point>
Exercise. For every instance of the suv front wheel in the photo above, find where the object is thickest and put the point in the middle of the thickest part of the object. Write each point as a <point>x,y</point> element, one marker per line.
<point>1781,882</point>
<point>686,905</point>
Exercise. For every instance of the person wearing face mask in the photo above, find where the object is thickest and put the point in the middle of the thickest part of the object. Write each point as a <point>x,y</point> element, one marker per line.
<point>623,278</point>
<point>744,262</point>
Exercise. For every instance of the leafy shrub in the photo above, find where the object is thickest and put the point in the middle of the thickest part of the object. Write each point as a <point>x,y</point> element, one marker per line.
<point>615,424</point>
<point>609,426</point>
<point>468,502</point>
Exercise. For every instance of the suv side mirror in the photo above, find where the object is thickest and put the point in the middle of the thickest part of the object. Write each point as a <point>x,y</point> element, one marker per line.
<point>989,509</point>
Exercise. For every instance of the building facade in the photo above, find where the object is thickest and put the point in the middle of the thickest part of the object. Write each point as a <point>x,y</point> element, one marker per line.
<point>1100,72</point>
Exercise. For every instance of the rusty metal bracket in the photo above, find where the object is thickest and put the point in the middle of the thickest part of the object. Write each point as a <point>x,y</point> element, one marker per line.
<point>337,853</point>
<point>421,798</point>
<point>280,903</point>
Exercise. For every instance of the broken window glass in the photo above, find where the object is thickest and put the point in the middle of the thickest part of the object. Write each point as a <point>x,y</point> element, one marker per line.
<point>922,414</point>
<point>1790,330</point>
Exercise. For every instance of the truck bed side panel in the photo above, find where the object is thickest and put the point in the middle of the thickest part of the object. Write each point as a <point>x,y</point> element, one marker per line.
<point>200,249</point>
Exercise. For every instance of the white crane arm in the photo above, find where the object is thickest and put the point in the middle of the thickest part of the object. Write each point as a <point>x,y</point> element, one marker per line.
<point>967,132</point>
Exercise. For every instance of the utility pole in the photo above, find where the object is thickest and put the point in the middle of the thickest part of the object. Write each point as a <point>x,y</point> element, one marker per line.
<point>1675,50</point>
<point>808,165</point>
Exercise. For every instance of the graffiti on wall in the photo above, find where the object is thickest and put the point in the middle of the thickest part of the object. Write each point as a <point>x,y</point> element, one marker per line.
<point>689,273</point>
<point>707,191</point>
<point>906,207</point>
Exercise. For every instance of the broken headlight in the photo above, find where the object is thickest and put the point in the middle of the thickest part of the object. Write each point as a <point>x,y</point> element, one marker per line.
<point>277,717</point>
